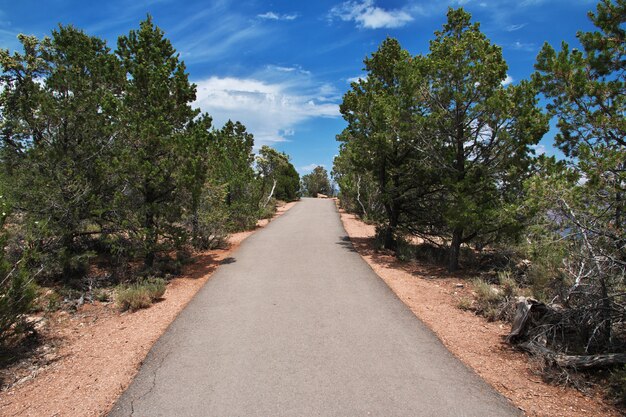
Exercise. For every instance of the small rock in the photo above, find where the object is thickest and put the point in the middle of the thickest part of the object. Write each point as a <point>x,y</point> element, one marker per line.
<point>460,286</point>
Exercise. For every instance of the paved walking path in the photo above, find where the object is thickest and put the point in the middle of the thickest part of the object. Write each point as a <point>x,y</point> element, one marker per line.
<point>297,324</point>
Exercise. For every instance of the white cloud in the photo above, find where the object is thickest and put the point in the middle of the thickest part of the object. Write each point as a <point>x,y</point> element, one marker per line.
<point>508,80</point>
<point>310,167</point>
<point>356,79</point>
<point>277,16</point>
<point>369,16</point>
<point>539,149</point>
<point>271,110</point>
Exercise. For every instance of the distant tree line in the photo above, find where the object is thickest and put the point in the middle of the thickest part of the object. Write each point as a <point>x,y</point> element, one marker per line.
<point>106,164</point>
<point>438,147</point>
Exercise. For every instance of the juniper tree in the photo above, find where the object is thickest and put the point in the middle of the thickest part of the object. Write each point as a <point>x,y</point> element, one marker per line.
<point>60,106</point>
<point>480,133</point>
<point>317,182</point>
<point>379,110</point>
<point>233,168</point>
<point>156,111</point>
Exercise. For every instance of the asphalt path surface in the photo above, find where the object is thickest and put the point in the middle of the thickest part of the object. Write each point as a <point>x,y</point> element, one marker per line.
<point>297,324</point>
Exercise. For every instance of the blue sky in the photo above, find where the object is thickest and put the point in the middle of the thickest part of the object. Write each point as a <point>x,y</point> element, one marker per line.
<point>281,67</point>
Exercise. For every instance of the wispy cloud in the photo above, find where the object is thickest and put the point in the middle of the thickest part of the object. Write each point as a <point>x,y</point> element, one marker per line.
<point>292,69</point>
<point>278,16</point>
<point>523,46</point>
<point>513,28</point>
<point>366,15</point>
<point>270,109</point>
<point>226,34</point>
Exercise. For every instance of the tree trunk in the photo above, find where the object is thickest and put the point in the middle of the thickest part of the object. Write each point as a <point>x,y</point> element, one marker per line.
<point>269,197</point>
<point>455,249</point>
<point>358,195</point>
<point>390,233</point>
<point>151,239</point>
<point>194,225</point>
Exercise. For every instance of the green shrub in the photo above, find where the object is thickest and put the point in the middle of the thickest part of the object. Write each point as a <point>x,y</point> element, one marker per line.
<point>102,295</point>
<point>489,300</point>
<point>18,290</point>
<point>140,295</point>
<point>465,304</point>
<point>485,293</point>
<point>17,294</point>
<point>496,303</point>
<point>269,210</point>
<point>54,301</point>
<point>404,250</point>
<point>156,288</point>
<point>508,285</point>
<point>132,298</point>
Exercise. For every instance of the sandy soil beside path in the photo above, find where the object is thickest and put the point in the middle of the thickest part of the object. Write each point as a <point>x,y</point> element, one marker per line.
<point>101,350</point>
<point>433,296</point>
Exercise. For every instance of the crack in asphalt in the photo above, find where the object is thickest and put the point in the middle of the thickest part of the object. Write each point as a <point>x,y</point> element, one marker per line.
<point>153,385</point>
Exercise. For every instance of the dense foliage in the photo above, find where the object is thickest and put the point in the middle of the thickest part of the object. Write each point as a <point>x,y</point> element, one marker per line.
<point>447,145</point>
<point>105,163</point>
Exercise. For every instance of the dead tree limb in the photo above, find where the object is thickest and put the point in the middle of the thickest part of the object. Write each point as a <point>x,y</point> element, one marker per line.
<point>574,361</point>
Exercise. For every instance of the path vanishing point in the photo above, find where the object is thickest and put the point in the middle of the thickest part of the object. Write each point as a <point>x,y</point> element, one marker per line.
<point>297,324</point>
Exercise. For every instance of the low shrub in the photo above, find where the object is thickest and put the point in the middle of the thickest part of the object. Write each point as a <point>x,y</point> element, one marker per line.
<point>496,302</point>
<point>156,288</point>
<point>140,295</point>
<point>53,302</point>
<point>465,304</point>
<point>487,299</point>
<point>17,294</point>
<point>102,295</point>
<point>268,211</point>
<point>404,250</point>
<point>431,254</point>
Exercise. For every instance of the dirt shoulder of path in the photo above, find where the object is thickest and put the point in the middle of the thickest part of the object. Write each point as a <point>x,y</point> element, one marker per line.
<point>93,354</point>
<point>433,295</point>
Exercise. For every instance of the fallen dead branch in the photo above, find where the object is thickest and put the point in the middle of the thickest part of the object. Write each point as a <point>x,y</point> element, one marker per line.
<point>531,325</point>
